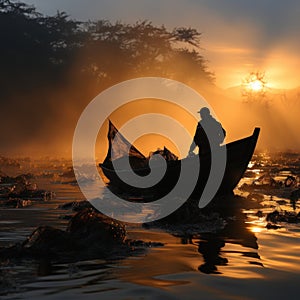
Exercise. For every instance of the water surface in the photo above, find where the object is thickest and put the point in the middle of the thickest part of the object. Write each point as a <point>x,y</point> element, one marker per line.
<point>232,257</point>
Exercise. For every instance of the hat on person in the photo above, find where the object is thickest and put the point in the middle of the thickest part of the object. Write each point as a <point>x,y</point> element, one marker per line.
<point>204,111</point>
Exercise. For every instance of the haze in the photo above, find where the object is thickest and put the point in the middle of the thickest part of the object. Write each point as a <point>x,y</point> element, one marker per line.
<point>238,37</point>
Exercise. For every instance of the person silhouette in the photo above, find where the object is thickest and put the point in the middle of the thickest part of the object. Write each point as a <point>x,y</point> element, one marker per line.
<point>209,133</point>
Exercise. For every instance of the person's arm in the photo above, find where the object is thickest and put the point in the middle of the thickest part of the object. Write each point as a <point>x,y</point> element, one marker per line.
<point>192,147</point>
<point>196,137</point>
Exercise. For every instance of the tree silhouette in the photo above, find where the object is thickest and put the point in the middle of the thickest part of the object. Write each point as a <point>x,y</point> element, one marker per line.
<point>37,49</point>
<point>254,87</point>
<point>48,62</point>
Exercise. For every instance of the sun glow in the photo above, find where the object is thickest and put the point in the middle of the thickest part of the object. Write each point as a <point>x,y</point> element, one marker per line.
<point>255,85</point>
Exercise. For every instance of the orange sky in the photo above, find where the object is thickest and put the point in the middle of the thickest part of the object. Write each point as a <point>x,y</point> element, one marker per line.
<point>231,65</point>
<point>237,36</point>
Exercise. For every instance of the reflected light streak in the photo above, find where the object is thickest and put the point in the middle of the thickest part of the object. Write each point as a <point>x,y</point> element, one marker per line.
<point>255,229</point>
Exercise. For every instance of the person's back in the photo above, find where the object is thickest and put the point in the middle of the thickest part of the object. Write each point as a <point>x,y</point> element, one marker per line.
<point>209,133</point>
<point>201,140</point>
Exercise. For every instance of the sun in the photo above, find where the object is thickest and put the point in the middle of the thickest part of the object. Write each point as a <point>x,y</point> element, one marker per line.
<point>255,85</point>
<point>255,82</point>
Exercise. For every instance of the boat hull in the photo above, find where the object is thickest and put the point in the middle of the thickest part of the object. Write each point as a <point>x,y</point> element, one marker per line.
<point>239,154</point>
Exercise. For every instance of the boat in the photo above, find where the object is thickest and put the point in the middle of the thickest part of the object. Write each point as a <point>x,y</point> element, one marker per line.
<point>239,154</point>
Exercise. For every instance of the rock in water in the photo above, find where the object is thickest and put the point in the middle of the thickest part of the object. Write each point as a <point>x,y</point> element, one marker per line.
<point>91,227</point>
<point>76,205</point>
<point>47,241</point>
<point>89,235</point>
<point>295,195</point>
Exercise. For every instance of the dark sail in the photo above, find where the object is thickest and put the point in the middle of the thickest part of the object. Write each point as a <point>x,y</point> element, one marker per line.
<point>119,147</point>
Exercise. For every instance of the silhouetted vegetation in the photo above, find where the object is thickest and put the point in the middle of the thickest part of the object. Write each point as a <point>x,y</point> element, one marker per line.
<point>41,49</point>
<point>254,87</point>
<point>48,61</point>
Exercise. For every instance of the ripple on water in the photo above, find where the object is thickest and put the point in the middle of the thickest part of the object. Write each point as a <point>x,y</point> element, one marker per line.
<point>242,258</point>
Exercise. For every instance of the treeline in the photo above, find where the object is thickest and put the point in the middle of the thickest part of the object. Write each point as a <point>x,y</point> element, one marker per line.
<point>43,57</point>
<point>37,49</point>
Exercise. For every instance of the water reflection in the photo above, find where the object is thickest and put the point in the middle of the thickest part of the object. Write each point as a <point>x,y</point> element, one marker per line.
<point>44,267</point>
<point>211,245</point>
<point>230,244</point>
<point>210,248</point>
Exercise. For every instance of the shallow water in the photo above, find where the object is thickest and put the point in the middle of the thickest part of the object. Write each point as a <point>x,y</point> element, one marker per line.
<point>233,257</point>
